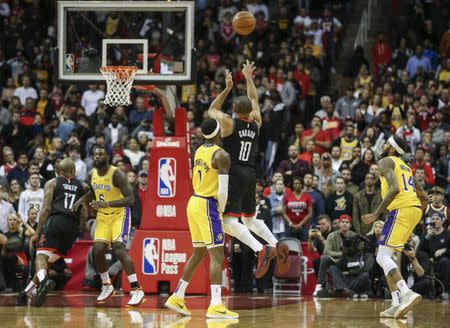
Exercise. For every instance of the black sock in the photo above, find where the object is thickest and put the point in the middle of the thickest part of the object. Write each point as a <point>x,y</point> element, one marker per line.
<point>134,285</point>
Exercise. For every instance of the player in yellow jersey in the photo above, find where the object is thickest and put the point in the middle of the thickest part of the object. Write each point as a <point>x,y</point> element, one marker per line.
<point>405,201</point>
<point>113,199</point>
<point>204,211</point>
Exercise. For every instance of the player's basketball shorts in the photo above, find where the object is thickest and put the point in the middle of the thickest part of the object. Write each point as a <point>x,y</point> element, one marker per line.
<point>399,225</point>
<point>114,227</point>
<point>59,234</point>
<point>205,222</point>
<point>241,191</point>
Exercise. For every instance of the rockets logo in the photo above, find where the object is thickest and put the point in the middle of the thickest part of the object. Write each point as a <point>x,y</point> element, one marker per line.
<point>166,177</point>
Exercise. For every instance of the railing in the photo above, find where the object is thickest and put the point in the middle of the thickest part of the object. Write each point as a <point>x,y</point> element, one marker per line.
<point>364,25</point>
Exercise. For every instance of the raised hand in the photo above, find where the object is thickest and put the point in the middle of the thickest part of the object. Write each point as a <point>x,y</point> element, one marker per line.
<point>229,79</point>
<point>248,69</point>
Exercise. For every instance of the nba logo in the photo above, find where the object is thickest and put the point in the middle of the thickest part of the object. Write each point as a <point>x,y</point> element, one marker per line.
<point>166,177</point>
<point>70,64</point>
<point>150,259</point>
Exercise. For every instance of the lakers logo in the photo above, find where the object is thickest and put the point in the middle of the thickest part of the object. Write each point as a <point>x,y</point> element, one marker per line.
<point>219,237</point>
<point>382,238</point>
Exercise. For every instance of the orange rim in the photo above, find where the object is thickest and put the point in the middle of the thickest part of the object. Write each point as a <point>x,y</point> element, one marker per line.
<point>149,87</point>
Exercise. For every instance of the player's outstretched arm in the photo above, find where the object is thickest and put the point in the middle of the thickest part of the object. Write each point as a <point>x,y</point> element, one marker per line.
<point>221,161</point>
<point>214,111</point>
<point>166,105</point>
<point>386,169</point>
<point>46,209</point>
<point>247,70</point>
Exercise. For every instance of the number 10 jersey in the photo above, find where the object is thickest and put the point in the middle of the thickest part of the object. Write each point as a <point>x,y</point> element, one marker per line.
<point>241,144</point>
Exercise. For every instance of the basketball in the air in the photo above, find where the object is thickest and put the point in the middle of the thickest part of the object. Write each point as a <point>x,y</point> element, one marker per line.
<point>244,23</point>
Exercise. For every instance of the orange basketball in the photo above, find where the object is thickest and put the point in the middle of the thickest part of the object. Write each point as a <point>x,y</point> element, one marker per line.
<point>244,23</point>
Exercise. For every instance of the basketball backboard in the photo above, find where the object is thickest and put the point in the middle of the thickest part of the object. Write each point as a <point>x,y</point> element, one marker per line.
<point>155,36</point>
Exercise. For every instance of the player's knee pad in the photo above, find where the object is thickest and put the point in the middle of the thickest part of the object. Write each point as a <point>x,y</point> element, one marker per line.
<point>384,259</point>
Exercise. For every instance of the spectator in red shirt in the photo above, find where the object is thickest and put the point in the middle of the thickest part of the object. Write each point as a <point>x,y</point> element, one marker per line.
<point>269,189</point>
<point>420,163</point>
<point>142,185</point>
<point>297,210</point>
<point>308,153</point>
<point>322,139</point>
<point>381,54</point>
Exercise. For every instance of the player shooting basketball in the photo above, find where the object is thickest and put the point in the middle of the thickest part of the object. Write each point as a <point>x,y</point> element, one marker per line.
<point>240,138</point>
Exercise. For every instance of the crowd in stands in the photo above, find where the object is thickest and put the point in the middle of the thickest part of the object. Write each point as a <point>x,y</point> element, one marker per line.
<point>318,151</point>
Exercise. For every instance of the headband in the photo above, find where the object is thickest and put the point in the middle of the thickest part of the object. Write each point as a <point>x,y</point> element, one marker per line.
<point>396,146</point>
<point>214,133</point>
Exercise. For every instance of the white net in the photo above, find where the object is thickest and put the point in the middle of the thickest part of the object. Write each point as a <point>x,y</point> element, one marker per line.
<point>119,80</point>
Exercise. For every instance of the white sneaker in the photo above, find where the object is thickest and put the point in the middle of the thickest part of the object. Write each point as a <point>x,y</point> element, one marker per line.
<point>137,297</point>
<point>389,313</point>
<point>409,300</point>
<point>364,296</point>
<point>317,290</point>
<point>445,296</point>
<point>106,294</point>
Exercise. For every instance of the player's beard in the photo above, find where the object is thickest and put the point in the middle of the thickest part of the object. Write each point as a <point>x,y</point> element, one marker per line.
<point>100,164</point>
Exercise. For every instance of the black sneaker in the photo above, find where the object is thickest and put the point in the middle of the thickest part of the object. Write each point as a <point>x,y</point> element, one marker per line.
<point>22,299</point>
<point>44,287</point>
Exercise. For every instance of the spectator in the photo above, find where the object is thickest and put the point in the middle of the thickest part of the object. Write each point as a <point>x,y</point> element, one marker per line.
<point>6,209</point>
<point>346,173</point>
<point>420,178</point>
<point>26,90</point>
<point>327,176</point>
<point>31,198</point>
<point>347,143</point>
<point>133,152</point>
<point>317,197</point>
<point>17,135</point>
<point>80,167</point>
<point>336,160</point>
<point>142,185</point>
<point>416,61</point>
<point>298,210</point>
<point>322,139</point>
<point>293,166</point>
<point>15,189</point>
<point>420,163</point>
<point>339,202</point>
<point>20,171</point>
<point>373,235</point>
<point>332,251</point>
<point>351,272</point>
<point>346,106</point>
<point>308,153</point>
<point>436,244</point>
<point>115,131</point>
<point>139,114</point>
<point>410,133</point>
<point>436,205</point>
<point>415,268</point>
<point>90,99</point>
<point>381,54</point>
<point>365,201</point>
<point>276,199</point>
<point>10,163</point>
<point>317,236</point>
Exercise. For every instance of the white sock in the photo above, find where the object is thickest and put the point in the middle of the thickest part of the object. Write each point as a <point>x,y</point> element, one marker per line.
<point>132,278</point>
<point>260,229</point>
<point>232,227</point>
<point>395,298</point>
<point>181,288</point>
<point>402,286</point>
<point>105,277</point>
<point>41,274</point>
<point>216,297</point>
<point>30,287</point>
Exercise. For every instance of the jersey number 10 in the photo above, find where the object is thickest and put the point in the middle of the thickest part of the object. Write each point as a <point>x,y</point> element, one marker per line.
<point>409,184</point>
<point>244,153</point>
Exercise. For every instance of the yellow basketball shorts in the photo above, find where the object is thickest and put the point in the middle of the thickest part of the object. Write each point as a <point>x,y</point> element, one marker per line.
<point>205,222</point>
<point>399,225</point>
<point>114,227</point>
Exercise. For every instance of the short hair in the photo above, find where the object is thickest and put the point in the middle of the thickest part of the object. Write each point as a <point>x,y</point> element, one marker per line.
<point>242,105</point>
<point>324,217</point>
<point>34,174</point>
<point>345,168</point>
<point>340,177</point>
<point>34,163</point>
<point>73,147</point>
<point>299,178</point>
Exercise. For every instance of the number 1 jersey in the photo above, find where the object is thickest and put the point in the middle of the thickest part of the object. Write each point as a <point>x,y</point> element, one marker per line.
<point>407,196</point>
<point>242,143</point>
<point>67,192</point>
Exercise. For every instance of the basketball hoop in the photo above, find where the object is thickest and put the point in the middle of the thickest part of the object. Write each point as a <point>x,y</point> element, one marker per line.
<point>119,80</point>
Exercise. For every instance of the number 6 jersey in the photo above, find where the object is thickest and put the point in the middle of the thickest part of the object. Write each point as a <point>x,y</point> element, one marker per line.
<point>241,144</point>
<point>67,192</point>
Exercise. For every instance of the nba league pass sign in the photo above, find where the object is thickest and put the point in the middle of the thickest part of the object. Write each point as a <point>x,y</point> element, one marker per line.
<point>166,177</point>
<point>161,256</point>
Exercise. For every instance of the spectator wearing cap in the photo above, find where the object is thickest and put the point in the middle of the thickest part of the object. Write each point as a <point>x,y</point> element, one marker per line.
<point>436,244</point>
<point>365,201</point>
<point>26,90</point>
<point>339,202</point>
<point>418,60</point>
<point>436,205</point>
<point>420,163</point>
<point>293,166</point>
<point>347,105</point>
<point>347,142</point>
<point>322,139</point>
<point>142,184</point>
<point>333,250</point>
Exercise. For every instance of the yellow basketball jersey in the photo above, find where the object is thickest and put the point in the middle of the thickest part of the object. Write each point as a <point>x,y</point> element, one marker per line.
<point>204,176</point>
<point>347,148</point>
<point>407,196</point>
<point>105,190</point>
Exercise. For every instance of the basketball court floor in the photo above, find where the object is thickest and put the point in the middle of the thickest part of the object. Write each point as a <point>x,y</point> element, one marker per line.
<point>73,309</point>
